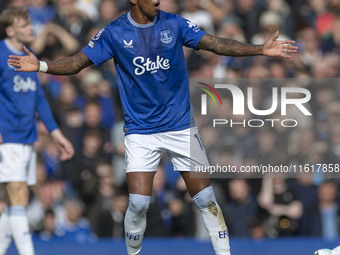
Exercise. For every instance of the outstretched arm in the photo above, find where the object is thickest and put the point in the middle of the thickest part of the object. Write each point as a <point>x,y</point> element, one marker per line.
<point>229,47</point>
<point>65,66</point>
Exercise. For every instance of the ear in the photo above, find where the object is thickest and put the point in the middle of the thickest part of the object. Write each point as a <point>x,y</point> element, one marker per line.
<point>9,31</point>
<point>133,2</point>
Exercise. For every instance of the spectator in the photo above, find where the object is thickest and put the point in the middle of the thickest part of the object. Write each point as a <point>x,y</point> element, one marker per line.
<point>47,232</point>
<point>74,228</point>
<point>97,90</point>
<point>54,38</point>
<point>170,6</point>
<point>108,11</point>
<point>117,140</point>
<point>111,222</point>
<point>269,22</point>
<point>158,214</point>
<point>193,12</point>
<point>325,215</point>
<point>282,205</point>
<point>182,212</point>
<point>81,170</point>
<point>100,201</point>
<point>41,12</point>
<point>75,20</point>
<point>242,208</point>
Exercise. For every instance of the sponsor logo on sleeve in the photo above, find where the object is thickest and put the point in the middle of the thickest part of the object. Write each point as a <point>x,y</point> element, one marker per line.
<point>91,44</point>
<point>193,26</point>
<point>97,36</point>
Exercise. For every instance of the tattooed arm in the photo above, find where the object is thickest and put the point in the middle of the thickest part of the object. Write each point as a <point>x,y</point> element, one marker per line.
<point>229,47</point>
<point>69,65</point>
<point>65,66</point>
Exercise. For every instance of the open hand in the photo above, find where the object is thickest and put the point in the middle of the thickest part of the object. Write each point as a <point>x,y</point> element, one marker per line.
<point>274,48</point>
<point>27,63</point>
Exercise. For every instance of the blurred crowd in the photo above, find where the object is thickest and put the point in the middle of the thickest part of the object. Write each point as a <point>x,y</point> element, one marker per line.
<point>86,198</point>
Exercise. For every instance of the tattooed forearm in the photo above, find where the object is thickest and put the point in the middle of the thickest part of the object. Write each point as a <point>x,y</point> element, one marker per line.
<point>228,47</point>
<point>69,65</point>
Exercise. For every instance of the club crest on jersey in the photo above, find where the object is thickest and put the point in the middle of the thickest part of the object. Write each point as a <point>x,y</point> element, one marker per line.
<point>166,36</point>
<point>97,36</point>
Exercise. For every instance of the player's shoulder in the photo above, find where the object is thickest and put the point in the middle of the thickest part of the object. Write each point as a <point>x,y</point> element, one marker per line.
<point>2,45</point>
<point>4,52</point>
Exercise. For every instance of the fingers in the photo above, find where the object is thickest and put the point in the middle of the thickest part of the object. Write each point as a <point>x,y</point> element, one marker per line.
<point>288,45</point>
<point>70,151</point>
<point>67,152</point>
<point>291,47</point>
<point>287,49</point>
<point>285,55</point>
<point>28,52</point>
<point>14,57</point>
<point>276,35</point>
<point>285,52</point>
<point>288,42</point>
<point>15,63</point>
<point>64,155</point>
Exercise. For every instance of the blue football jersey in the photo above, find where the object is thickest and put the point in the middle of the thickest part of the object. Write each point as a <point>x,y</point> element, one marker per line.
<point>21,96</point>
<point>151,69</point>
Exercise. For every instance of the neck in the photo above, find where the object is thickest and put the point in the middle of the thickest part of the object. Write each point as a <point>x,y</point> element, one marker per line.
<point>15,44</point>
<point>139,17</point>
<point>326,204</point>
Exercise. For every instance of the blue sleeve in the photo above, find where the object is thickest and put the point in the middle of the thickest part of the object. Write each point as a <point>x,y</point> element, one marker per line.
<point>44,111</point>
<point>100,48</point>
<point>190,32</point>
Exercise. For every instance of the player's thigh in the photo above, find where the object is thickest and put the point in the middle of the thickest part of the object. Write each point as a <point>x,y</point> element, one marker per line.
<point>140,182</point>
<point>185,150</point>
<point>17,163</point>
<point>187,153</point>
<point>142,153</point>
<point>142,156</point>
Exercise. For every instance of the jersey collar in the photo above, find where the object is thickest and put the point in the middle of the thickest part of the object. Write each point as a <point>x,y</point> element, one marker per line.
<point>9,46</point>
<point>140,25</point>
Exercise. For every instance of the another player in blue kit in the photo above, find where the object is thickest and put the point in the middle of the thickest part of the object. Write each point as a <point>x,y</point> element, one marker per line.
<point>21,97</point>
<point>146,46</point>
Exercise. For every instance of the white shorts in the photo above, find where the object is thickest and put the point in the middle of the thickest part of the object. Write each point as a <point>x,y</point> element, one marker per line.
<point>143,151</point>
<point>18,163</point>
